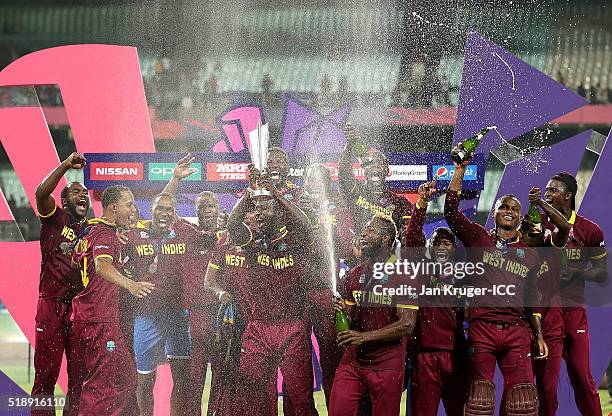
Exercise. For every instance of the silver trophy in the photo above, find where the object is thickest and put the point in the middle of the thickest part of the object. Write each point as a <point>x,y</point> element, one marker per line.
<point>259,139</point>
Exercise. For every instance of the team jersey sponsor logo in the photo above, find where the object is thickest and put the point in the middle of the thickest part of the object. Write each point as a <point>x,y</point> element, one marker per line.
<point>445,172</point>
<point>116,171</point>
<point>164,172</point>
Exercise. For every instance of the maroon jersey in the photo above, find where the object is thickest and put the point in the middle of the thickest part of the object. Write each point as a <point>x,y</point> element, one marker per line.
<point>160,258</point>
<point>512,264</point>
<point>440,319</point>
<point>371,311</point>
<point>194,293</point>
<point>585,243</point>
<point>290,191</point>
<point>334,224</point>
<point>58,234</point>
<point>233,276</point>
<point>339,221</point>
<point>277,279</point>
<point>99,299</point>
<point>364,205</point>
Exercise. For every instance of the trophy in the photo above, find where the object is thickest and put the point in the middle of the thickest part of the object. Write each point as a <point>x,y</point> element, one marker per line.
<point>258,139</point>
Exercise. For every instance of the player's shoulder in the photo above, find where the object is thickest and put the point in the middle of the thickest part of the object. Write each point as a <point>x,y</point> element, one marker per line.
<point>100,226</point>
<point>354,275</point>
<point>184,226</point>
<point>57,214</point>
<point>587,225</point>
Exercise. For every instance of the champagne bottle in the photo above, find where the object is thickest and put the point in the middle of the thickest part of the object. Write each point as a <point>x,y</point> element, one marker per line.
<point>534,217</point>
<point>360,148</point>
<point>469,145</point>
<point>342,323</point>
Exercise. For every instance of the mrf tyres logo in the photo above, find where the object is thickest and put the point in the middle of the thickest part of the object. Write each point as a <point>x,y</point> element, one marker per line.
<point>445,172</point>
<point>164,171</point>
<point>227,171</point>
<point>116,171</point>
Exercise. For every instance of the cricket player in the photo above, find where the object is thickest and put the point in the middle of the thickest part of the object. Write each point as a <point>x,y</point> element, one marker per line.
<point>227,276</point>
<point>278,169</point>
<point>332,226</point>
<point>587,262</point>
<point>372,196</point>
<point>159,253</point>
<point>99,349</point>
<point>549,243</point>
<point>277,334</point>
<point>499,325</point>
<point>439,369</point>
<point>59,282</point>
<point>202,305</point>
<point>375,344</point>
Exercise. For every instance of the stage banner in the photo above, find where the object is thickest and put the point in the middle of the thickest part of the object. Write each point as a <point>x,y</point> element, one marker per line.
<point>227,172</point>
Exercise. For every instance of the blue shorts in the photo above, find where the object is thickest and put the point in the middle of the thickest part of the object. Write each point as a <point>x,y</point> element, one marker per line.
<point>160,335</point>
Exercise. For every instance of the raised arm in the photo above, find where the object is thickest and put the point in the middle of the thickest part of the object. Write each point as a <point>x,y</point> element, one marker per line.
<point>346,179</point>
<point>459,224</point>
<point>181,171</point>
<point>562,230</point>
<point>299,221</point>
<point>415,237</point>
<point>44,200</point>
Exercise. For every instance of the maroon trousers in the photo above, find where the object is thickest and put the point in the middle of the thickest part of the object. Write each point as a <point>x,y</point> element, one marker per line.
<point>576,348</point>
<point>547,371</point>
<point>321,317</point>
<point>265,347</point>
<point>106,367</point>
<point>51,340</point>
<point>384,388</point>
<point>507,345</point>
<point>436,376</point>
<point>200,320</point>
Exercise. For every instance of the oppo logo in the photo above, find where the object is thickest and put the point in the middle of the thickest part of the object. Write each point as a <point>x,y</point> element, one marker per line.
<point>164,171</point>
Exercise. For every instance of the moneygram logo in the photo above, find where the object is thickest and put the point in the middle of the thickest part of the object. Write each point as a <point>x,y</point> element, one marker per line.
<point>220,171</point>
<point>116,171</point>
<point>164,171</point>
<point>445,172</point>
<point>408,173</point>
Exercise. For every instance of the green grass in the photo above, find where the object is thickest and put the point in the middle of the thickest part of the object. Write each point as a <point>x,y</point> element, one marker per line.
<point>605,406</point>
